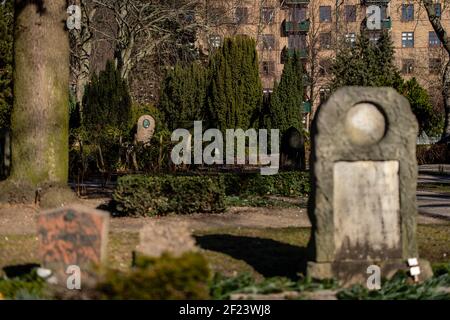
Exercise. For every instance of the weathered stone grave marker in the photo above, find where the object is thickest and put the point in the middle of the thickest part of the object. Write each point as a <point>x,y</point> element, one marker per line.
<point>157,238</point>
<point>293,150</point>
<point>145,129</point>
<point>72,236</point>
<point>364,172</point>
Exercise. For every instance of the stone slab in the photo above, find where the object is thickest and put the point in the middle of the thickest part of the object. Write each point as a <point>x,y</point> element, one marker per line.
<point>366,203</point>
<point>72,236</point>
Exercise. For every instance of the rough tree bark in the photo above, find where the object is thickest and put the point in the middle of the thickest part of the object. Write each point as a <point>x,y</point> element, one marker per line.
<point>40,118</point>
<point>441,33</point>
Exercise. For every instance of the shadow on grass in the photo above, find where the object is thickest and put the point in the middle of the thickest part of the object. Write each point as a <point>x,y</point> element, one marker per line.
<point>268,257</point>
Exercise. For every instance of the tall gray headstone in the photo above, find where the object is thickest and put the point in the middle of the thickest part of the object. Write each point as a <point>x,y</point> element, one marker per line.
<point>364,172</point>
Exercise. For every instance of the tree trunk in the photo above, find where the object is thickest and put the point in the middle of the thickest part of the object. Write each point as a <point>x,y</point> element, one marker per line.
<point>82,41</point>
<point>442,35</point>
<point>123,57</point>
<point>40,118</point>
<point>446,93</point>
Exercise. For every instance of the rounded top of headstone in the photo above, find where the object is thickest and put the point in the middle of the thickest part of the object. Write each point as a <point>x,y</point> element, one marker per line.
<point>145,128</point>
<point>146,121</point>
<point>365,125</point>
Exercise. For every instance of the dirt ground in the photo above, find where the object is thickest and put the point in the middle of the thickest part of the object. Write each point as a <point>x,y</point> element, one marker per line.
<point>21,220</point>
<point>260,241</point>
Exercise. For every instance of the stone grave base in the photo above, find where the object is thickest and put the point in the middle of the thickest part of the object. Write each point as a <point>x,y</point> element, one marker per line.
<point>355,272</point>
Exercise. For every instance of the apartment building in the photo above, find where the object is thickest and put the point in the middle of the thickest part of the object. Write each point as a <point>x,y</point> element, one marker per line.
<point>315,28</point>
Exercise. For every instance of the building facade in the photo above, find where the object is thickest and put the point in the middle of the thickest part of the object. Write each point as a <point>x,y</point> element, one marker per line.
<point>316,28</point>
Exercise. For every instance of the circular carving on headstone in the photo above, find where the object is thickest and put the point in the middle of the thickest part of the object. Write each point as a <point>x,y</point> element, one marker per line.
<point>365,125</point>
<point>145,129</point>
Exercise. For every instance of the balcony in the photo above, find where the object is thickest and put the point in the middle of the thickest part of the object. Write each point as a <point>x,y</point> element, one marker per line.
<point>289,53</point>
<point>293,27</point>
<point>307,107</point>
<point>386,23</point>
<point>294,2</point>
<point>370,2</point>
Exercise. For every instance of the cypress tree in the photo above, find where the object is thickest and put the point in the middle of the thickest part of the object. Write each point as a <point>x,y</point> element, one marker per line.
<point>372,64</point>
<point>107,102</point>
<point>286,102</point>
<point>366,64</point>
<point>235,88</point>
<point>183,95</point>
<point>429,121</point>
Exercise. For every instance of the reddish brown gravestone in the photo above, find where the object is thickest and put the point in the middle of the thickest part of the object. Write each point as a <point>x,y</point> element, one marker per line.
<point>72,236</point>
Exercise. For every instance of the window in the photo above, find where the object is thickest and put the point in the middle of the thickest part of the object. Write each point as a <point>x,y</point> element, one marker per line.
<point>350,38</point>
<point>433,40</point>
<point>268,15</point>
<point>437,9</point>
<point>215,41</point>
<point>297,41</point>
<point>325,40</point>
<point>435,65</point>
<point>324,94</point>
<point>298,14</point>
<point>383,10</point>
<point>407,66</point>
<point>268,68</point>
<point>350,13</point>
<point>325,13</point>
<point>324,67</point>
<point>241,15</point>
<point>215,14</point>
<point>266,94</point>
<point>268,41</point>
<point>408,12</point>
<point>374,37</point>
<point>407,39</point>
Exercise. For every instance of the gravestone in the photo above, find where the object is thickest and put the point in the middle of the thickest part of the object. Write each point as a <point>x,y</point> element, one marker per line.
<point>292,150</point>
<point>157,238</point>
<point>145,129</point>
<point>364,174</point>
<point>72,236</point>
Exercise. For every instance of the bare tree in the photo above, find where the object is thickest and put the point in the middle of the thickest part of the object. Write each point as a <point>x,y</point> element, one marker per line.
<point>142,28</point>
<point>81,49</point>
<point>441,32</point>
<point>320,54</point>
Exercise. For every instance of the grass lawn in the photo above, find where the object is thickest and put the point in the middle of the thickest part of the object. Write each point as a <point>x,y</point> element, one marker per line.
<point>263,252</point>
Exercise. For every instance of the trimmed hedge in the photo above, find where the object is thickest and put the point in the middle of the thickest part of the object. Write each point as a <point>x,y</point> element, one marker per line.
<point>162,194</point>
<point>286,184</point>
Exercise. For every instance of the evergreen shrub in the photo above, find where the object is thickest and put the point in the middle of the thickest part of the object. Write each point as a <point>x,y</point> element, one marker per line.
<point>165,278</point>
<point>140,195</point>
<point>159,195</point>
